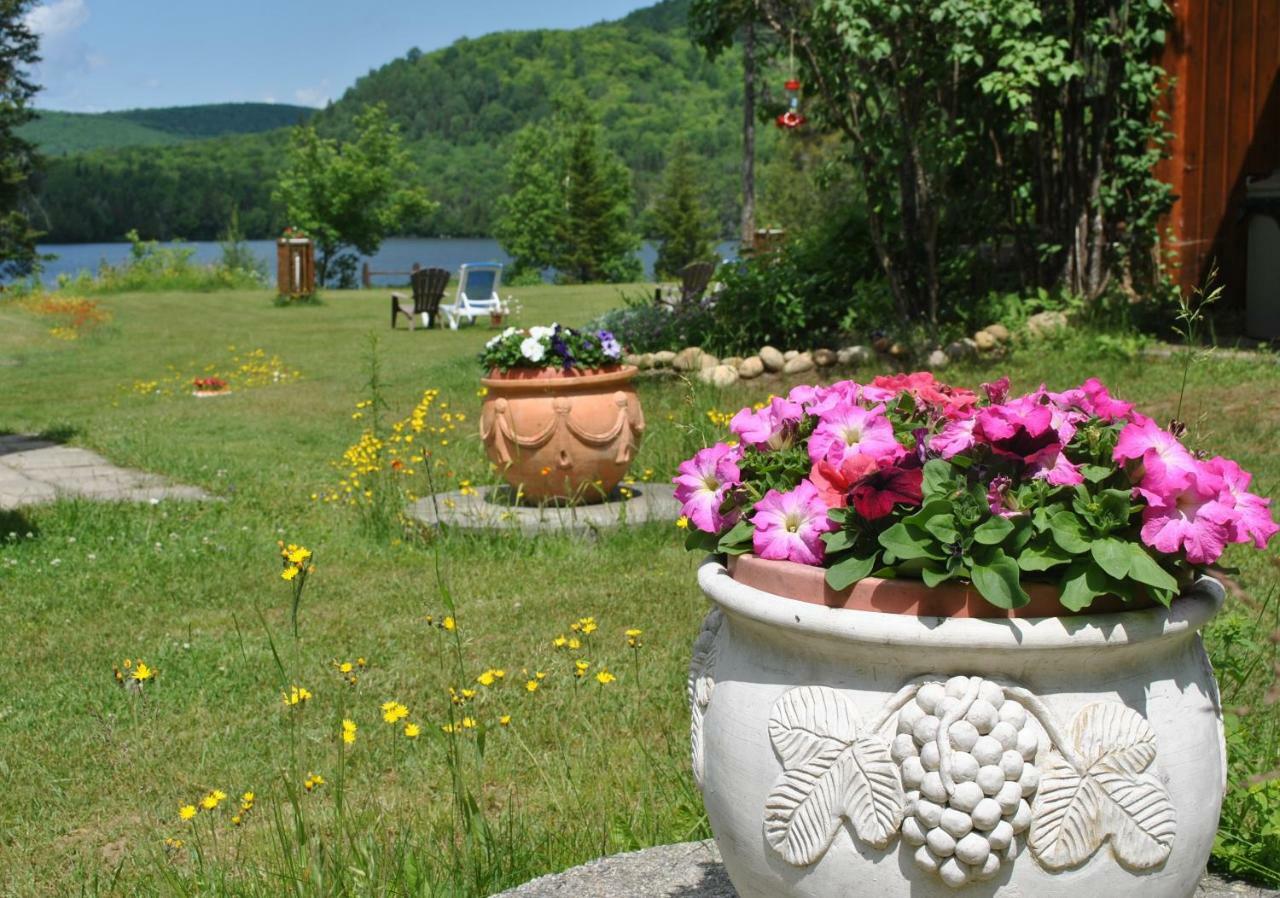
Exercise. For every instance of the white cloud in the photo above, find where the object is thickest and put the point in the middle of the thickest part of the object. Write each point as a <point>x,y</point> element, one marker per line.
<point>312,96</point>
<point>58,18</point>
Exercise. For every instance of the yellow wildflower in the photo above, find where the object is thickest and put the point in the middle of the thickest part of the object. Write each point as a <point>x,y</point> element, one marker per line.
<point>587,625</point>
<point>575,643</point>
<point>504,720</point>
<point>142,673</point>
<point>449,624</point>
<point>346,667</point>
<point>580,668</point>
<point>468,723</point>
<point>236,820</point>
<point>298,554</point>
<point>683,522</point>
<point>603,677</point>
<point>187,811</point>
<point>394,711</point>
<point>412,730</point>
<point>289,573</point>
<point>296,695</point>
<point>531,685</point>
<point>486,679</point>
<point>209,802</point>
<point>560,642</point>
<point>349,731</point>
<point>633,638</point>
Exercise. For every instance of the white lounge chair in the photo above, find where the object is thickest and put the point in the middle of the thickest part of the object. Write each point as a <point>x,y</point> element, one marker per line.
<point>478,284</point>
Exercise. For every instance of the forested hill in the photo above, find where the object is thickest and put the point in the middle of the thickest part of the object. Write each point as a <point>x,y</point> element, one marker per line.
<point>458,107</point>
<point>62,133</point>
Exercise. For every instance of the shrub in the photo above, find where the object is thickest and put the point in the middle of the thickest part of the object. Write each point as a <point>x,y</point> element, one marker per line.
<point>154,267</point>
<point>644,326</point>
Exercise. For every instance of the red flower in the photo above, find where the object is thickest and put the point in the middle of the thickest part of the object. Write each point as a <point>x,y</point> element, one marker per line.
<point>954,402</point>
<point>833,482</point>
<point>875,495</point>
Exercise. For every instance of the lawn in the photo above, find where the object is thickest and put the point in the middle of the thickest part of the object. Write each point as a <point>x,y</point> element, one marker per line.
<point>93,775</point>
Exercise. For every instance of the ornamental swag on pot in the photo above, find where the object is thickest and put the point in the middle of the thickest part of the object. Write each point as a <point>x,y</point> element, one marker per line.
<point>958,632</point>
<point>561,419</point>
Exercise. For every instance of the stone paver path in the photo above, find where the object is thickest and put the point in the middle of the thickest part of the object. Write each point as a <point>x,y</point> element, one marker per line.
<point>33,470</point>
<point>693,870</point>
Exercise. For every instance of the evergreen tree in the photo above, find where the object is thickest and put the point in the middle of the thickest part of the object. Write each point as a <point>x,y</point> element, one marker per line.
<point>680,220</point>
<point>18,159</point>
<point>594,235</point>
<point>529,211</point>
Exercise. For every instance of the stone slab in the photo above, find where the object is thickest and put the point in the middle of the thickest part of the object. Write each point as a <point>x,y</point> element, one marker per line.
<point>489,509</point>
<point>693,870</point>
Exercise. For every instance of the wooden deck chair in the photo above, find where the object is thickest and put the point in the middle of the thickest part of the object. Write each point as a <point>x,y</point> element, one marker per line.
<point>694,280</point>
<point>428,289</point>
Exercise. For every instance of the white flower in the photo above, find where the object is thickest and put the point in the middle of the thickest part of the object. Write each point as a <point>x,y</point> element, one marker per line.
<point>509,332</point>
<point>539,332</point>
<point>532,349</point>
<point>494,341</point>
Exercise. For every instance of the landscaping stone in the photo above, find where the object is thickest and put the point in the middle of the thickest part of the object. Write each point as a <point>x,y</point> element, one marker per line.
<point>636,360</point>
<point>694,870</point>
<point>733,361</point>
<point>493,508</point>
<point>855,355</point>
<point>687,359</point>
<point>1044,324</point>
<point>999,331</point>
<point>663,359</point>
<point>937,360</point>
<point>824,358</point>
<point>800,363</point>
<point>720,376</point>
<point>790,354</point>
<point>707,360</point>
<point>773,359</point>
<point>750,367</point>
<point>898,350</point>
<point>33,471</point>
<point>985,341</point>
<point>963,349</point>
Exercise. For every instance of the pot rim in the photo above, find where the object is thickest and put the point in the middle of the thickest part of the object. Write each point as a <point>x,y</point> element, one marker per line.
<point>1188,613</point>
<point>546,379</point>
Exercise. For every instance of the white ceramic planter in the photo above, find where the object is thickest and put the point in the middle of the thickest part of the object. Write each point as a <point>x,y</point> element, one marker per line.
<point>845,752</point>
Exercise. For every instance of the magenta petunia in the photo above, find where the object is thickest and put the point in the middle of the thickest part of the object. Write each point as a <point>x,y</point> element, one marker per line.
<point>850,429</point>
<point>702,483</point>
<point>1024,430</point>
<point>1000,497</point>
<point>874,496</point>
<point>1251,514</point>
<point>789,526</point>
<point>1167,466</point>
<point>770,427</point>
<point>955,438</point>
<point>1053,465</point>
<point>1193,519</point>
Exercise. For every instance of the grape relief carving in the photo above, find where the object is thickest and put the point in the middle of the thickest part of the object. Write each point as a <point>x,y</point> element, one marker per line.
<point>700,684</point>
<point>973,771</point>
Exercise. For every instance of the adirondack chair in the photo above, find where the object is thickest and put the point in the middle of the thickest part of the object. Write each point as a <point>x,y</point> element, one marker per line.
<point>478,284</point>
<point>694,280</point>
<point>428,289</point>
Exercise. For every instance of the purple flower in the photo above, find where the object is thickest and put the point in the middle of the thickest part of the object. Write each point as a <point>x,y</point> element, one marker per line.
<point>789,526</point>
<point>702,483</point>
<point>769,428</point>
<point>1000,499</point>
<point>609,345</point>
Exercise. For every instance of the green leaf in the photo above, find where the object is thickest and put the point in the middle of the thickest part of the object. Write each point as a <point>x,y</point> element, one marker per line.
<point>1083,582</point>
<point>906,544</point>
<point>943,527</point>
<point>932,576</point>
<point>1042,557</point>
<point>838,541</point>
<point>938,480</point>
<point>738,540</point>
<point>999,581</point>
<point>1112,556</point>
<point>1146,570</point>
<point>1068,532</point>
<point>1096,473</point>
<point>992,531</point>
<point>698,540</point>
<point>845,573</point>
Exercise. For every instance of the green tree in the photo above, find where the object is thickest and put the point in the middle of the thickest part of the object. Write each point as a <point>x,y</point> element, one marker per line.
<point>680,219</point>
<point>527,214</point>
<point>18,159</point>
<point>594,234</point>
<point>352,194</point>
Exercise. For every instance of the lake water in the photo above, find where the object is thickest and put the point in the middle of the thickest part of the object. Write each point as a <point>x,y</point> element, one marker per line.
<point>396,254</point>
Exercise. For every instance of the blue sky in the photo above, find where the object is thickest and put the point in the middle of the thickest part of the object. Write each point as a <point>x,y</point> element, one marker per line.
<point>121,54</point>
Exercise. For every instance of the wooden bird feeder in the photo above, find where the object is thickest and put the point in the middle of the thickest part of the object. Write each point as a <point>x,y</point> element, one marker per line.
<point>295,266</point>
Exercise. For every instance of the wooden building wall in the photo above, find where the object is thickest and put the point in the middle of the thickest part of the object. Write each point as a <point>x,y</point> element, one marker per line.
<point>1225,107</point>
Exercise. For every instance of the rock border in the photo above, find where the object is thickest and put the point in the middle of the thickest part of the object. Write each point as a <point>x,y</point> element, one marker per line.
<point>474,511</point>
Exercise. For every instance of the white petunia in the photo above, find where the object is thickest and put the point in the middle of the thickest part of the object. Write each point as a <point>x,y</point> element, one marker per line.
<point>532,349</point>
<point>509,332</point>
<point>493,342</point>
<point>539,332</point>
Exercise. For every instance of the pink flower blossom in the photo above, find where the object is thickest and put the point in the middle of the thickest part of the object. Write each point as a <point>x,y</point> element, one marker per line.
<point>702,484</point>
<point>1193,519</point>
<point>1167,465</point>
<point>1022,430</point>
<point>834,481</point>
<point>851,429</point>
<point>953,402</point>
<point>789,526</point>
<point>955,438</point>
<point>875,495</point>
<point>1251,514</point>
<point>997,391</point>
<point>769,428</point>
<point>1053,465</point>
<point>1000,498</point>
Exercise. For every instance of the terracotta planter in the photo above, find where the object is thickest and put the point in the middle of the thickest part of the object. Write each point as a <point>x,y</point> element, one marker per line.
<point>559,435</point>
<point>851,741</point>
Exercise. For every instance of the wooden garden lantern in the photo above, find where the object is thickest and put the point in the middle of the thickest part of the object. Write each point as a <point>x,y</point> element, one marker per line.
<point>295,265</point>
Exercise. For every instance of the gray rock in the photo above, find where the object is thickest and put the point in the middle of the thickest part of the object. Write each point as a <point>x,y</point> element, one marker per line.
<point>694,870</point>
<point>632,360</point>
<point>801,363</point>
<point>750,367</point>
<point>663,359</point>
<point>689,359</point>
<point>853,356</point>
<point>985,341</point>
<point>773,359</point>
<point>938,360</point>
<point>1044,324</point>
<point>824,358</point>
<point>963,349</point>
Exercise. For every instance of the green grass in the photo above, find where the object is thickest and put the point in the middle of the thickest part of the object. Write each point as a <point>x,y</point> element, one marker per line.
<point>92,776</point>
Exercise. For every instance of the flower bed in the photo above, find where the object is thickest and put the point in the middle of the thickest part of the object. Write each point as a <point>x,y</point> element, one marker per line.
<point>551,347</point>
<point>910,477</point>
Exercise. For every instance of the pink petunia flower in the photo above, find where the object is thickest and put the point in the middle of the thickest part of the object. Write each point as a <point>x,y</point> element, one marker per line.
<point>1167,465</point>
<point>789,526</point>
<point>702,484</point>
<point>1251,515</point>
<point>955,438</point>
<point>851,429</point>
<point>1053,465</point>
<point>875,495</point>
<point>1023,430</point>
<point>1193,519</point>
<point>929,393</point>
<point>769,428</point>
<point>1000,498</point>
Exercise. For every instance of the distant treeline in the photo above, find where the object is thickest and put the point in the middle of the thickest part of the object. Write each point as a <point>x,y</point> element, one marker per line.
<point>458,108</point>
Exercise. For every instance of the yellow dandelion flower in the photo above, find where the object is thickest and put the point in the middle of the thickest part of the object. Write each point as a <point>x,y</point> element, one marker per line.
<point>187,811</point>
<point>575,643</point>
<point>360,662</point>
<point>349,731</point>
<point>142,673</point>
<point>346,667</point>
<point>296,695</point>
<point>393,712</point>
<point>504,720</point>
<point>468,723</point>
<point>580,668</point>
<point>683,522</point>
<point>299,555</point>
<point>560,642</point>
<point>247,798</point>
<point>412,730</point>
<point>531,685</point>
<point>603,677</point>
<point>447,728</point>
<point>449,624</point>
<point>289,573</point>
<point>486,679</point>
<point>209,802</point>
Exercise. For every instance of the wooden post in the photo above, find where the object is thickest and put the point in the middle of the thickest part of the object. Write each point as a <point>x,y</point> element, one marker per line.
<point>366,280</point>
